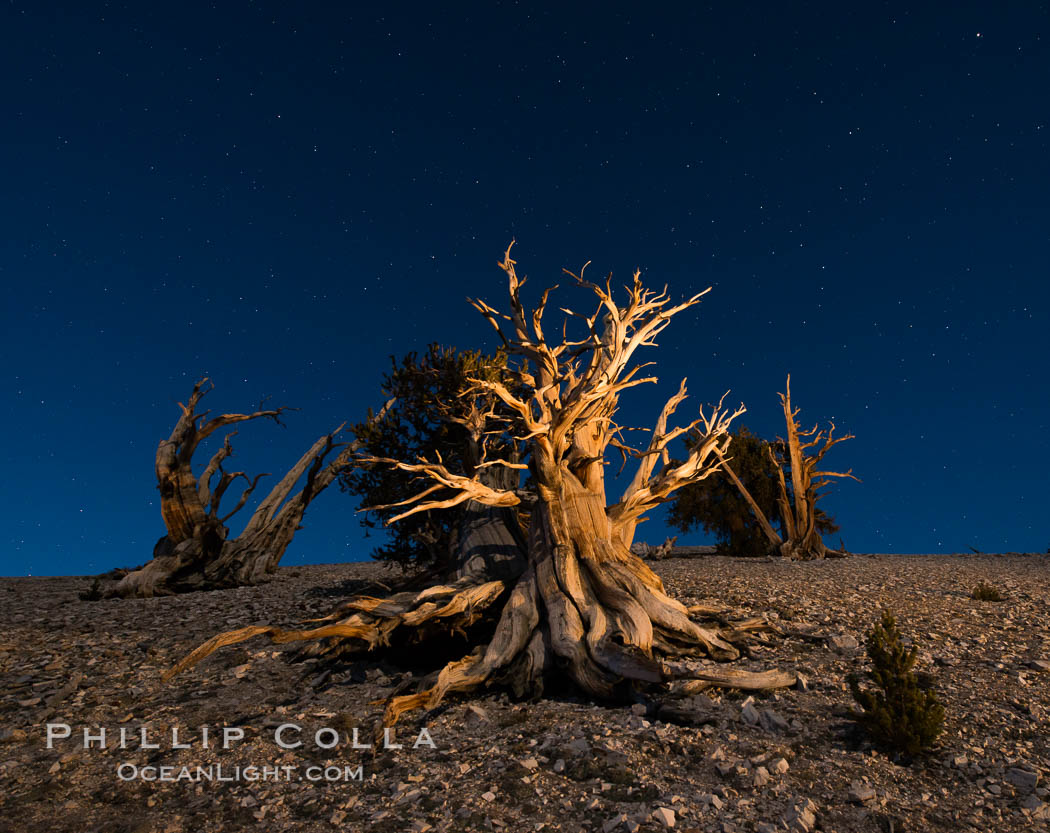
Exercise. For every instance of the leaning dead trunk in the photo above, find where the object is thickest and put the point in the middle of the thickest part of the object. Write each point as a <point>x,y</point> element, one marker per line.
<point>580,604</point>
<point>196,552</point>
<point>798,505</point>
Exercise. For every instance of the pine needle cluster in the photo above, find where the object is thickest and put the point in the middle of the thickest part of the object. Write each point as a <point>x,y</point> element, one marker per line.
<point>898,712</point>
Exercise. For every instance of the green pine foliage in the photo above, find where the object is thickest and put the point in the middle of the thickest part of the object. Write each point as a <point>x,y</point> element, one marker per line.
<point>898,712</point>
<point>430,393</point>
<point>716,505</point>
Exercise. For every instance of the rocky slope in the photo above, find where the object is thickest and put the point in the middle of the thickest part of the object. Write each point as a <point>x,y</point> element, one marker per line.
<point>721,762</point>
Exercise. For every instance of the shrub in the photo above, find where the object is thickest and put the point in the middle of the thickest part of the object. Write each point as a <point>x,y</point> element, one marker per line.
<point>898,713</point>
<point>985,592</point>
<point>94,593</point>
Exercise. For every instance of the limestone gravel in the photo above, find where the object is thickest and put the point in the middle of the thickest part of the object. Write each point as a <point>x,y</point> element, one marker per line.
<point>716,762</point>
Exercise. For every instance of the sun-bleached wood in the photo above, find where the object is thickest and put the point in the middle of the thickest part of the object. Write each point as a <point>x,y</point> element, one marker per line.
<point>797,505</point>
<point>581,604</point>
<point>196,552</point>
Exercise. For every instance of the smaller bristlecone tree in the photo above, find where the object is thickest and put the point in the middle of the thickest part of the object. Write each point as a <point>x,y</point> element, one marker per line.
<point>898,712</point>
<point>196,552</point>
<point>717,506</point>
<point>799,484</point>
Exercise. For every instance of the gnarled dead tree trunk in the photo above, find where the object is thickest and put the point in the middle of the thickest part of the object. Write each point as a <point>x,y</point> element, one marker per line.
<point>798,504</point>
<point>196,553</point>
<point>584,605</point>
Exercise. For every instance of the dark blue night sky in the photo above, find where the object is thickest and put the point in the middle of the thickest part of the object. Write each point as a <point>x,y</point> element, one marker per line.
<point>280,198</point>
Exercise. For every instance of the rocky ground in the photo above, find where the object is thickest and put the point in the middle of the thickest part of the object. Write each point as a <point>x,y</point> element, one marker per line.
<point>792,760</point>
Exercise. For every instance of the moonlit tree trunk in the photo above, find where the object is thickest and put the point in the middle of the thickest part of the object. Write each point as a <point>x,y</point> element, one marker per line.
<point>196,552</point>
<point>583,604</point>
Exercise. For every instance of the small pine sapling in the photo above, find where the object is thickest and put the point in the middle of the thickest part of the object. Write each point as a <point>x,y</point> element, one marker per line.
<point>985,592</point>
<point>899,713</point>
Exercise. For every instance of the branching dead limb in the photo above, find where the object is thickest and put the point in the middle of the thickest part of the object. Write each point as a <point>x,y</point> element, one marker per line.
<point>578,603</point>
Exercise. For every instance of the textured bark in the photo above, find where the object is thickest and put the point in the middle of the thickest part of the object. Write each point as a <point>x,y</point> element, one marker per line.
<point>573,599</point>
<point>196,552</point>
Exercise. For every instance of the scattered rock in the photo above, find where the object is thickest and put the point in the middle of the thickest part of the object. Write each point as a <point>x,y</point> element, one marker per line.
<point>773,722</point>
<point>861,793</point>
<point>711,800</point>
<point>842,643</point>
<point>614,822</point>
<point>558,762</point>
<point>802,816</point>
<point>1024,779</point>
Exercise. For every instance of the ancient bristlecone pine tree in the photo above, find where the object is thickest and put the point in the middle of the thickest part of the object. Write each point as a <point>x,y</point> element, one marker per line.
<point>799,502</point>
<point>582,605</point>
<point>196,552</point>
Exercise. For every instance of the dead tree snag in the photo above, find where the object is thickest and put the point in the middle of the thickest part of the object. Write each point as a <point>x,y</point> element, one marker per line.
<point>798,504</point>
<point>583,605</point>
<point>196,552</point>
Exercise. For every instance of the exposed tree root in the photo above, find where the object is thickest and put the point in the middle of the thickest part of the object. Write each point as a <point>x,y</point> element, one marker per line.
<point>608,625</point>
<point>572,600</point>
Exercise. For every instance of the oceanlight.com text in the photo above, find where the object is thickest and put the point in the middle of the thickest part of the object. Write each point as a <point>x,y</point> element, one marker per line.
<point>226,773</point>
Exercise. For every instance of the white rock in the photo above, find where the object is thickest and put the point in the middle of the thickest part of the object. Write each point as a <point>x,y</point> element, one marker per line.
<point>860,792</point>
<point>477,713</point>
<point>802,817</point>
<point>711,800</point>
<point>664,815</point>
<point>842,643</point>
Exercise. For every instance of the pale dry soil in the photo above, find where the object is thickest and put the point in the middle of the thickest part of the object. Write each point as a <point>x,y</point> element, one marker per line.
<point>789,760</point>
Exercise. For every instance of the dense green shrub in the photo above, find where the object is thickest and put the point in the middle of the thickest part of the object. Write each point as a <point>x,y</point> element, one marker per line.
<point>897,713</point>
